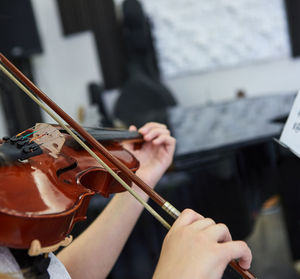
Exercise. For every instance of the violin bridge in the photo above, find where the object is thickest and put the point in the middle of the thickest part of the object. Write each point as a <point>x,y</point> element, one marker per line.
<point>49,137</point>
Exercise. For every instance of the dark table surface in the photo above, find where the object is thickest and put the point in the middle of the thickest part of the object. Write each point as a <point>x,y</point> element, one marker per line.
<point>205,130</point>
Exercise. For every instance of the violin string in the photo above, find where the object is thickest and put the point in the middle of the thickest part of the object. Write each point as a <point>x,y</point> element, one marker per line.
<point>99,160</point>
<point>233,264</point>
<point>167,206</point>
<point>37,137</point>
<point>20,134</point>
<point>29,129</point>
<point>29,134</point>
<point>47,133</point>
<point>170,209</point>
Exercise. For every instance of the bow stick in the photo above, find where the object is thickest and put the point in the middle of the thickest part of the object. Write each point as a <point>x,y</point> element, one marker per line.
<point>27,86</point>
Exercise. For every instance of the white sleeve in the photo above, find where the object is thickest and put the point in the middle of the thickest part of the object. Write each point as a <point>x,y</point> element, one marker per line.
<point>56,269</point>
<point>8,264</point>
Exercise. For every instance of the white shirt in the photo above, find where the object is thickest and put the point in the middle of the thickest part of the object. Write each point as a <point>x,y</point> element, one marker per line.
<point>8,264</point>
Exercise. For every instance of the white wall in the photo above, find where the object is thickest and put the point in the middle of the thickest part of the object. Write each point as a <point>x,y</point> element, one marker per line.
<point>200,35</point>
<point>69,63</point>
<point>209,50</point>
<point>66,65</point>
<point>277,76</point>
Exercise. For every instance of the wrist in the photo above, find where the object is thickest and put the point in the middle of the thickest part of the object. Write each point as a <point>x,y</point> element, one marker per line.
<point>150,177</point>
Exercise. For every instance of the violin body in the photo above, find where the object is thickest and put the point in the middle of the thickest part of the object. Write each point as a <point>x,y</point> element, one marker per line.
<point>43,196</point>
<point>46,182</point>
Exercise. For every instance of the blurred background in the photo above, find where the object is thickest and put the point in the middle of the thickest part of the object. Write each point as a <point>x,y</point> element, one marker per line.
<point>221,74</point>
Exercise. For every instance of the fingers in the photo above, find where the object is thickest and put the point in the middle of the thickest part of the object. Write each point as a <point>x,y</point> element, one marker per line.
<point>158,134</point>
<point>150,125</point>
<point>219,233</point>
<point>238,250</point>
<point>213,236</point>
<point>216,232</point>
<point>132,128</point>
<point>165,139</point>
<point>187,217</point>
<point>153,131</point>
<point>203,223</point>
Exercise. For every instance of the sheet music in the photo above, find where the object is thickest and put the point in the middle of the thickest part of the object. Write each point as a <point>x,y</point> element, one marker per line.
<point>290,136</point>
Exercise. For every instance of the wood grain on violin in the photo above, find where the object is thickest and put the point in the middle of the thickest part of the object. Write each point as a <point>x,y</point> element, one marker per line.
<point>68,164</point>
<point>43,194</point>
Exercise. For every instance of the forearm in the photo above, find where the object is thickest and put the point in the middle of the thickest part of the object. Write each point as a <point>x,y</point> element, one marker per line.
<point>94,252</point>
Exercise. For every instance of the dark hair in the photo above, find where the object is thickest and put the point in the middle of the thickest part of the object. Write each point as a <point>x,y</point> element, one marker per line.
<point>31,267</point>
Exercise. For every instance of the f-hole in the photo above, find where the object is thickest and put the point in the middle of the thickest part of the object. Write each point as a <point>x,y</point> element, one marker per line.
<point>65,169</point>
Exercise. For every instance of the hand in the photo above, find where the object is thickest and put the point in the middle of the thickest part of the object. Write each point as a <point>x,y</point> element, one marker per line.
<point>196,247</point>
<point>157,152</point>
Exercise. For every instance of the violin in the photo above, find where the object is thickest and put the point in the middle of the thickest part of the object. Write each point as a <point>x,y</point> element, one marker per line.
<point>71,180</point>
<point>47,182</point>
